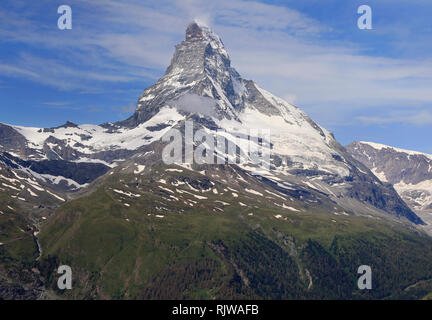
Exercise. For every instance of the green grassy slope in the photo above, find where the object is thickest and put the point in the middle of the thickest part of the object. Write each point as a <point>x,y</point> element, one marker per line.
<point>18,252</point>
<point>148,244</point>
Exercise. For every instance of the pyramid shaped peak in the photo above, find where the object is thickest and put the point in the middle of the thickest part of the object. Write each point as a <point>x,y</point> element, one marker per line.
<point>197,30</point>
<point>193,31</point>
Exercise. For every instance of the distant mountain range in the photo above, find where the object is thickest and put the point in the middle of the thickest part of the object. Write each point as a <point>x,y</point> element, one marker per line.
<point>409,172</point>
<point>100,199</point>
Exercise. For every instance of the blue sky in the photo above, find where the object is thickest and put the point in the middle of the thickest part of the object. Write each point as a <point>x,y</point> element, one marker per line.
<point>373,85</point>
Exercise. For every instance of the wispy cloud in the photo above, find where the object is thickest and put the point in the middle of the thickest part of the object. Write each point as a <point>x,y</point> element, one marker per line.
<point>56,103</point>
<point>17,71</point>
<point>128,109</point>
<point>421,119</point>
<point>54,73</point>
<point>61,105</point>
<point>252,15</point>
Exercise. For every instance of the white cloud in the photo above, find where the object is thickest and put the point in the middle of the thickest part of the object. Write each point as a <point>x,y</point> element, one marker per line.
<point>12,70</point>
<point>66,77</point>
<point>251,15</point>
<point>422,118</point>
<point>128,109</point>
<point>195,104</point>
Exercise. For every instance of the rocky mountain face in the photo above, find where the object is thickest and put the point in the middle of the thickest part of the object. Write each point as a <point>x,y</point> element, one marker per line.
<point>410,172</point>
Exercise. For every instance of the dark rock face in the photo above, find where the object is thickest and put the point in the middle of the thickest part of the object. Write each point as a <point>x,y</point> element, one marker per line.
<point>68,124</point>
<point>382,196</point>
<point>364,186</point>
<point>12,141</point>
<point>80,172</point>
<point>16,291</point>
<point>410,172</point>
<point>397,166</point>
<point>60,151</point>
<point>194,32</point>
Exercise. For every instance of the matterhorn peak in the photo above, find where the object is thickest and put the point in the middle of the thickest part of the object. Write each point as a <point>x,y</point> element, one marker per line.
<point>201,67</point>
<point>197,30</point>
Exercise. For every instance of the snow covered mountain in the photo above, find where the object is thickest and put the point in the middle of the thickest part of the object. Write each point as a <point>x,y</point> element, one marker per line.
<point>102,198</point>
<point>410,172</point>
<point>201,85</point>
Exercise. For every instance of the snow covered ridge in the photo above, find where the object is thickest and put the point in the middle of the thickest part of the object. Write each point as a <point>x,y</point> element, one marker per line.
<point>217,147</point>
<point>393,165</point>
<point>379,146</point>
<point>89,139</point>
<point>24,188</point>
<point>70,177</point>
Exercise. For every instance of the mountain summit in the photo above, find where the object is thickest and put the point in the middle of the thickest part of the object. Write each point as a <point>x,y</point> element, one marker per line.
<point>200,66</point>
